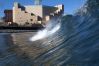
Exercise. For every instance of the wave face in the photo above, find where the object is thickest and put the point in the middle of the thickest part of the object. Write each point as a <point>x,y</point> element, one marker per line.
<point>77,39</point>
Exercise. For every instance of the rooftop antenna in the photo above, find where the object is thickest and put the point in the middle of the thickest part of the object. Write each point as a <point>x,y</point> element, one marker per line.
<point>37,2</point>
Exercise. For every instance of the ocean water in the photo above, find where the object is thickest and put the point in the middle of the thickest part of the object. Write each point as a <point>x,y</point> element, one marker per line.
<point>74,44</point>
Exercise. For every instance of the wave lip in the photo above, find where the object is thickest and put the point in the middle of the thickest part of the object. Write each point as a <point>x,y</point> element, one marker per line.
<point>46,32</point>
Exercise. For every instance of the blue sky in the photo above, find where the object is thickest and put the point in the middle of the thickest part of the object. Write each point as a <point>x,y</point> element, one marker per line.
<point>70,5</point>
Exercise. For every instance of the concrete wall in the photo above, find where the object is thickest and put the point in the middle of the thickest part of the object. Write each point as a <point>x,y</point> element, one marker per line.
<point>60,9</point>
<point>53,12</point>
<point>48,9</point>
<point>36,9</point>
<point>21,17</point>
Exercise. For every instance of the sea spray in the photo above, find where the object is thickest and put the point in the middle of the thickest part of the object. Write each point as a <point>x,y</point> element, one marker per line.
<point>52,27</point>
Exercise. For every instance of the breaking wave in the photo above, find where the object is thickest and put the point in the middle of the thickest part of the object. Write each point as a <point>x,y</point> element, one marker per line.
<point>50,29</point>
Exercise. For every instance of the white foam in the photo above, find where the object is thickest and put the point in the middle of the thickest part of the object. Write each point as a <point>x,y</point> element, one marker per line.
<point>49,30</point>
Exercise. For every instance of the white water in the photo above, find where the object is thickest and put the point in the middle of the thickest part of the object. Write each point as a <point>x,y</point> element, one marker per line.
<point>50,29</point>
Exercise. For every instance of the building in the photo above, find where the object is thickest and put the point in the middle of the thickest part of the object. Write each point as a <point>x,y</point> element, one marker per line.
<point>8,15</point>
<point>33,14</point>
<point>1,19</point>
<point>2,23</point>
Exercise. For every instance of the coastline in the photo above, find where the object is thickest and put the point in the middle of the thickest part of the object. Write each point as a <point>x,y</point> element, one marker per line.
<point>16,31</point>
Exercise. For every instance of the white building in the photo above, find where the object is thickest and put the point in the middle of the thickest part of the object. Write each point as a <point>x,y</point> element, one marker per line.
<point>35,14</point>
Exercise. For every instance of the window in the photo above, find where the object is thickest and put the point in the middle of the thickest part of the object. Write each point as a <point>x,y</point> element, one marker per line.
<point>32,14</point>
<point>31,19</point>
